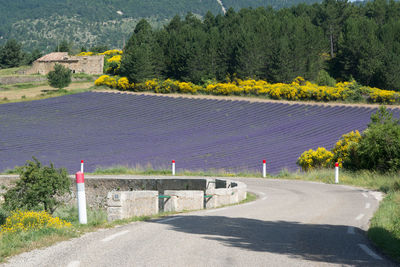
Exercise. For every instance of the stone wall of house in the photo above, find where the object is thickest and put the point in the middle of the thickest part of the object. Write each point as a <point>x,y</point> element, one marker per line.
<point>87,64</point>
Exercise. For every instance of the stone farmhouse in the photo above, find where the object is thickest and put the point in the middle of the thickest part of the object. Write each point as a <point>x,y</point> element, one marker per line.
<point>77,64</point>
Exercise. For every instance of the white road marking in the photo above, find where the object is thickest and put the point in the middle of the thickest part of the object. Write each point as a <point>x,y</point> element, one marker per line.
<point>350,230</point>
<point>377,195</point>
<point>359,217</point>
<point>365,195</point>
<point>74,264</point>
<point>260,193</point>
<point>211,211</point>
<point>367,205</point>
<point>170,219</point>
<point>370,252</point>
<point>264,198</point>
<point>111,237</point>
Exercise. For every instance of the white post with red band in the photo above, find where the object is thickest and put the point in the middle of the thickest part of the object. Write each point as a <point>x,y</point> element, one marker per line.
<point>336,173</point>
<point>80,191</point>
<point>173,167</point>
<point>81,166</point>
<point>264,168</point>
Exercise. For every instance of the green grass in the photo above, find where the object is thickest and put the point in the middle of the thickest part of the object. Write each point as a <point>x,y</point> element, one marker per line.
<point>148,170</point>
<point>384,230</point>
<point>12,71</point>
<point>18,86</point>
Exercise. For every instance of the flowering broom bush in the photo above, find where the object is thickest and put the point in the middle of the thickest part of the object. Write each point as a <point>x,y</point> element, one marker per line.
<point>299,89</point>
<point>342,148</point>
<point>31,220</point>
<point>315,159</point>
<point>124,84</point>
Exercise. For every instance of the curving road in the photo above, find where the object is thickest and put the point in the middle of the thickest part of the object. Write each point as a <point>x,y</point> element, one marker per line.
<point>292,223</point>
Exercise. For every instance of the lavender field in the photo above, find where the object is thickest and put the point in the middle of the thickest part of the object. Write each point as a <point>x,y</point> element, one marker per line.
<point>108,129</point>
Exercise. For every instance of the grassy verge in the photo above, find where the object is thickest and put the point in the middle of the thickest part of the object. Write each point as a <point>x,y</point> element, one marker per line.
<point>15,243</point>
<point>384,231</point>
<point>139,170</point>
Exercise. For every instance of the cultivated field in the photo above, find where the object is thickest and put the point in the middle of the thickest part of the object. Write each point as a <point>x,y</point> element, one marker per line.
<point>107,129</point>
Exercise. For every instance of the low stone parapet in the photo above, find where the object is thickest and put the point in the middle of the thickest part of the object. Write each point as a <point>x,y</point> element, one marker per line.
<point>127,204</point>
<point>234,192</point>
<point>183,200</point>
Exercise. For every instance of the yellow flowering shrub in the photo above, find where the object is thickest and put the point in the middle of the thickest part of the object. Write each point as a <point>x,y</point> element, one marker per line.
<point>123,84</point>
<point>106,80</point>
<point>341,150</point>
<point>101,80</point>
<point>314,159</point>
<point>81,54</point>
<point>165,87</point>
<point>112,52</point>
<point>299,89</point>
<point>116,59</point>
<point>223,89</point>
<point>151,85</point>
<point>384,96</point>
<point>111,82</point>
<point>185,87</point>
<point>31,220</point>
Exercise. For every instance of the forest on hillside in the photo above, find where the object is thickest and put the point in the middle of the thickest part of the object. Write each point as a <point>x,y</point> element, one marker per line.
<point>360,42</point>
<point>38,24</point>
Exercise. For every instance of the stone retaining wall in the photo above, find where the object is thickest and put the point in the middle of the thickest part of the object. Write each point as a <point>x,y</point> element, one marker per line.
<point>128,196</point>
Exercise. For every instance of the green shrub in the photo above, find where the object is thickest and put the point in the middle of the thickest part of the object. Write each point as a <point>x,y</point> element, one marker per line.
<point>38,188</point>
<point>60,77</point>
<point>379,146</point>
<point>324,78</point>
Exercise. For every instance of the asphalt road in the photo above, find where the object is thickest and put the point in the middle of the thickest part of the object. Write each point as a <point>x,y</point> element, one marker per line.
<point>292,223</point>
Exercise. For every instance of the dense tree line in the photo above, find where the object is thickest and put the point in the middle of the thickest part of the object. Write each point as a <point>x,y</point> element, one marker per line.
<point>348,40</point>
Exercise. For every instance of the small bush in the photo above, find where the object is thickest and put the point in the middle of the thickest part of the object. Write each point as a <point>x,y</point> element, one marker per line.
<point>60,77</point>
<point>315,159</point>
<point>38,188</point>
<point>31,220</point>
<point>324,78</point>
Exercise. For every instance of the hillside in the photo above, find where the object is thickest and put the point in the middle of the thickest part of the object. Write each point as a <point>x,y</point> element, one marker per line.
<point>38,24</point>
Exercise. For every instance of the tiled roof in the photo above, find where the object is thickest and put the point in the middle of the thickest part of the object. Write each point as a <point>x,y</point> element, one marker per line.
<point>55,56</point>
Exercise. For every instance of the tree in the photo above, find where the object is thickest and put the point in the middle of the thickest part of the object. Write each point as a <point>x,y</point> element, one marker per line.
<point>31,57</point>
<point>11,54</point>
<point>39,187</point>
<point>60,77</point>
<point>138,62</point>
<point>379,146</point>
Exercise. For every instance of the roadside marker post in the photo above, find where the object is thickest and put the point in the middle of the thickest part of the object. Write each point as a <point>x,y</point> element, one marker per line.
<point>81,166</point>
<point>80,189</point>
<point>336,173</point>
<point>173,167</point>
<point>264,168</point>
